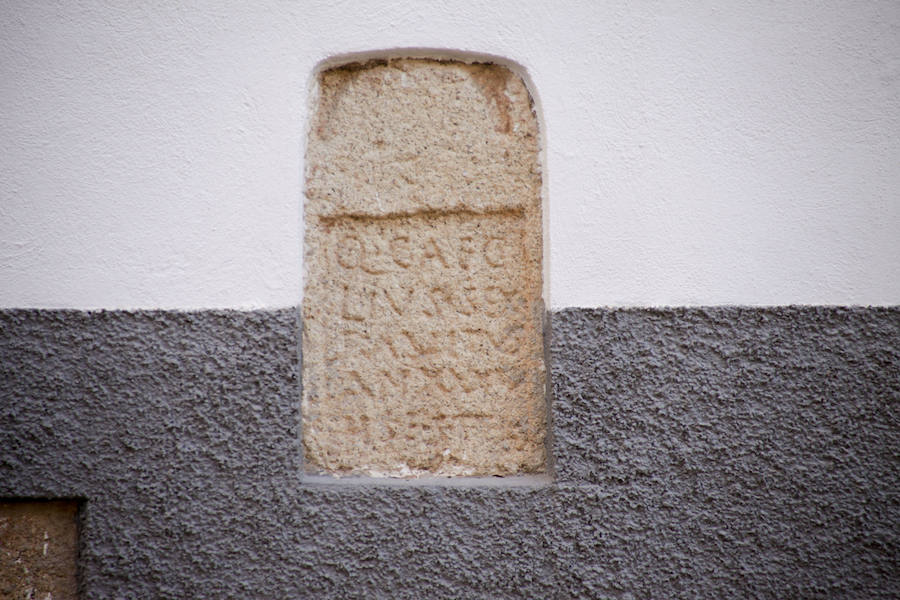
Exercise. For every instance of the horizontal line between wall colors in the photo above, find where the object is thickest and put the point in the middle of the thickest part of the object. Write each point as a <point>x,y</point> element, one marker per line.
<point>553,308</point>
<point>531,481</point>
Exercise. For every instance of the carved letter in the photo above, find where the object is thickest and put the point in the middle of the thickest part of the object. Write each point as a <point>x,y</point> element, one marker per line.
<point>433,250</point>
<point>493,252</point>
<point>400,251</point>
<point>357,303</point>
<point>375,260</point>
<point>349,252</point>
<point>466,250</point>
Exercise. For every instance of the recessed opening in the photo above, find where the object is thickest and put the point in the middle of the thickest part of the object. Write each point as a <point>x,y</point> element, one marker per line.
<point>38,549</point>
<point>423,345</point>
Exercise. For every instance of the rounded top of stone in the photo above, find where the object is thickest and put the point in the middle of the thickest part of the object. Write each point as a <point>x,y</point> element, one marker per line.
<point>391,128</point>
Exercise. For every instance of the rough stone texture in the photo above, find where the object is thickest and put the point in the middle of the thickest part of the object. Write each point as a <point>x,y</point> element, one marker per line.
<point>422,311</point>
<point>700,453</point>
<point>38,550</point>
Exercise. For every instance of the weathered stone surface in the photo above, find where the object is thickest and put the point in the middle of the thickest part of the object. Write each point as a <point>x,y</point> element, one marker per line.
<point>38,542</point>
<point>422,308</point>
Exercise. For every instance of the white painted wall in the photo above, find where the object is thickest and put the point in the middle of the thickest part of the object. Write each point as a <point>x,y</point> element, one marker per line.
<point>729,152</point>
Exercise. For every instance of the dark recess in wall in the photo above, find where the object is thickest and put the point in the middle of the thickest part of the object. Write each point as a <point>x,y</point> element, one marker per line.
<point>38,548</point>
<point>703,452</point>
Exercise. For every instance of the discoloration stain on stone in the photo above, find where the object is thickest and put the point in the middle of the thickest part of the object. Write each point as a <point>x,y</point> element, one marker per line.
<point>422,310</point>
<point>493,85</point>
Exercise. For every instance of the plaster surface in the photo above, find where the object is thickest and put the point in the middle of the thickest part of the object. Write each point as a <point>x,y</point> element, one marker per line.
<point>422,319</point>
<point>699,453</point>
<point>729,153</point>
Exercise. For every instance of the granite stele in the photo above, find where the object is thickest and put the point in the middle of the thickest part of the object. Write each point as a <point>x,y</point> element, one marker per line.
<point>422,313</point>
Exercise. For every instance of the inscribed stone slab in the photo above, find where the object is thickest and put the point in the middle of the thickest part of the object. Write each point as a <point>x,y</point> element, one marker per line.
<point>422,341</point>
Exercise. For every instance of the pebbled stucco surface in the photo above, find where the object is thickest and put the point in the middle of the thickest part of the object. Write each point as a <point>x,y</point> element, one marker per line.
<point>699,453</point>
<point>754,451</point>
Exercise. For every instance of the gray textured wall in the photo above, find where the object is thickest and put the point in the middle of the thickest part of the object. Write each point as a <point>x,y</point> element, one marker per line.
<point>710,452</point>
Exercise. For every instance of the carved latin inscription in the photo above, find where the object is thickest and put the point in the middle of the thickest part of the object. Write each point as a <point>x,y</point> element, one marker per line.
<point>422,348</point>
